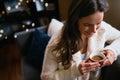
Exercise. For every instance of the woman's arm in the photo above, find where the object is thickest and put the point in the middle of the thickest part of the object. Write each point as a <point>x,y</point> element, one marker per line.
<point>112,50</point>
<point>51,70</point>
<point>113,37</point>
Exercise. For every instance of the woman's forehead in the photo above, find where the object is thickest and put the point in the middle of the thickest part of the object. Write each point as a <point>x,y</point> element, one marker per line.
<point>94,18</point>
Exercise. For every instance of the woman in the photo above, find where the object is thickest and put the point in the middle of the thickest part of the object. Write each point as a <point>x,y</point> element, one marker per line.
<point>85,32</point>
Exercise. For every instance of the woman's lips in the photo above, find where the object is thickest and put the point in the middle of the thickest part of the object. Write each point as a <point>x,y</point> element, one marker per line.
<point>89,34</point>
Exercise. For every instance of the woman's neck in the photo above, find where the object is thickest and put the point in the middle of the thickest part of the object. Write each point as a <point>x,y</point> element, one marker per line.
<point>84,44</point>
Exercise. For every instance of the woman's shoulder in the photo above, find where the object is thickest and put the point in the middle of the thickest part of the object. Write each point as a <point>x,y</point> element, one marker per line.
<point>105,28</point>
<point>108,27</point>
<point>105,24</point>
<point>54,38</point>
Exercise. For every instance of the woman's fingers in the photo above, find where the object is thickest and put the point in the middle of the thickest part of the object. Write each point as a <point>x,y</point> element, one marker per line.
<point>110,57</point>
<point>87,67</point>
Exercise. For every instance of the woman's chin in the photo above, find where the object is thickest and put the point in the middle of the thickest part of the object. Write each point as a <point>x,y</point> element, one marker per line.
<point>89,35</point>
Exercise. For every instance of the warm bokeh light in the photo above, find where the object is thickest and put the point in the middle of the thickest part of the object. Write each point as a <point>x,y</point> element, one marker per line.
<point>3,12</point>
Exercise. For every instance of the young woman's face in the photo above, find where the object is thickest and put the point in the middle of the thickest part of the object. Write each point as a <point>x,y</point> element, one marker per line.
<point>90,24</point>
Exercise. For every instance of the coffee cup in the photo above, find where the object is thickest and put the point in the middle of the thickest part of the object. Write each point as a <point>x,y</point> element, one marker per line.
<point>97,56</point>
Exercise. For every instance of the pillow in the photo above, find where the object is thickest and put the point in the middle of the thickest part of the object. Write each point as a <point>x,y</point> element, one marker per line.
<point>54,26</point>
<point>36,52</point>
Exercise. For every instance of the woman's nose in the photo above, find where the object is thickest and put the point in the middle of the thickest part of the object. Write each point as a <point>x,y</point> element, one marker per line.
<point>93,28</point>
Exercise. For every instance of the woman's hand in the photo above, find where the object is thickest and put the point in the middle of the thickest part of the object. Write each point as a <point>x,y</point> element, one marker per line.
<point>86,66</point>
<point>110,57</point>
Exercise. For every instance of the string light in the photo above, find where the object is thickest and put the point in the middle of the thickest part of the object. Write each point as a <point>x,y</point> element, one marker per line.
<point>19,3</point>
<point>3,12</point>
<point>16,6</point>
<point>15,36</point>
<point>8,8</point>
<point>33,24</point>
<point>27,30</point>
<point>42,0</point>
<point>6,37</point>
<point>1,31</point>
<point>23,26</point>
<point>27,1</point>
<point>46,4</point>
<point>20,0</point>
<point>33,0</point>
<point>0,35</point>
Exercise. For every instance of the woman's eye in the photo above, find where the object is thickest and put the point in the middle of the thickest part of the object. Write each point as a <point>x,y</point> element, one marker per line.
<point>87,25</point>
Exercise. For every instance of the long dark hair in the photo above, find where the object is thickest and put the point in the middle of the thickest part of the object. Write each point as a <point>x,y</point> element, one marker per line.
<point>70,41</point>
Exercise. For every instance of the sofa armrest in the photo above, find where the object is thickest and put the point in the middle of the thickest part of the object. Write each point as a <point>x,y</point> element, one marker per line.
<point>24,38</point>
<point>112,72</point>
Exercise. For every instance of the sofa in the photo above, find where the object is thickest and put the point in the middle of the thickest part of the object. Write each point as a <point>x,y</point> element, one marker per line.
<point>32,45</point>
<point>31,58</point>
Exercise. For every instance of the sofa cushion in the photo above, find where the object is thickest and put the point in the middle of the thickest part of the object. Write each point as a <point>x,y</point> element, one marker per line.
<point>36,52</point>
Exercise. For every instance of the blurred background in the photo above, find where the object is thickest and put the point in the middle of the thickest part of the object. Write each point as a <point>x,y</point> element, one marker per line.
<point>22,15</point>
<point>112,16</point>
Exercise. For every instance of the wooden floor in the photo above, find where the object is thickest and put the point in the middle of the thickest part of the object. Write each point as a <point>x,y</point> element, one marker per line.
<point>10,62</point>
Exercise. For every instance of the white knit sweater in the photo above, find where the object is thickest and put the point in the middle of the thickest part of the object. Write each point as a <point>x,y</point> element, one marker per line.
<point>54,71</point>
